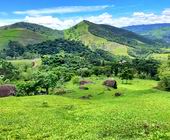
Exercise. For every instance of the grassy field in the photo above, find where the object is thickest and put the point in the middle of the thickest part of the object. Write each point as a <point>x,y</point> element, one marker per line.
<point>141,113</point>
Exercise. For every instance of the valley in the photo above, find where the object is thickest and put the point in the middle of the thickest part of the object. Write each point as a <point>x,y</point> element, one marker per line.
<point>91,81</point>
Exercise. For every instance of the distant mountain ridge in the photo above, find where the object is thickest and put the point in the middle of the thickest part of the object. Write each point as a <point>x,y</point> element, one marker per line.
<point>153,31</point>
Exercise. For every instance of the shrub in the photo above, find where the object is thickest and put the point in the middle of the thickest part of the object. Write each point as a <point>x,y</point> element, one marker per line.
<point>76,80</point>
<point>8,71</point>
<point>26,89</point>
<point>84,72</point>
<point>126,74</point>
<point>60,92</point>
<point>164,84</point>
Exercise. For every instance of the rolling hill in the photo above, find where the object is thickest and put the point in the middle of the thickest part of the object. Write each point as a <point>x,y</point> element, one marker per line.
<point>80,32</point>
<point>97,36</point>
<point>21,35</point>
<point>27,33</point>
<point>152,31</point>
<point>109,38</point>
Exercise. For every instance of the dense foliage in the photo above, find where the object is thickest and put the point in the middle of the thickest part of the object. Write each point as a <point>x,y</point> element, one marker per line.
<point>164,84</point>
<point>14,49</point>
<point>164,73</point>
<point>8,71</point>
<point>63,59</point>
<point>66,60</point>
<point>146,67</point>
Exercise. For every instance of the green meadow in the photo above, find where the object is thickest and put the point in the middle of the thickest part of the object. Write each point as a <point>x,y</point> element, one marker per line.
<point>141,113</point>
<point>51,102</point>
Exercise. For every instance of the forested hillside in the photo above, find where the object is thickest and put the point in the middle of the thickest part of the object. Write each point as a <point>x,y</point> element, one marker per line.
<point>112,39</point>
<point>153,31</point>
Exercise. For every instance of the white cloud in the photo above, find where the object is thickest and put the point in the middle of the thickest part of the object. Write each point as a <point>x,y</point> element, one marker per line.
<point>166,12</point>
<point>136,18</point>
<point>63,10</point>
<point>52,22</point>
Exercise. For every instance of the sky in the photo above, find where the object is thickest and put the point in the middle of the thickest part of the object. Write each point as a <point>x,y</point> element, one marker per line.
<point>63,14</point>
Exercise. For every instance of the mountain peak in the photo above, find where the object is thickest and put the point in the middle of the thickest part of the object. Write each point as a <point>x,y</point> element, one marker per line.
<point>86,22</point>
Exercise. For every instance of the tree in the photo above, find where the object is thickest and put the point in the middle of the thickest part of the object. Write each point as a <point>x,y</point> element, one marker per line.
<point>14,49</point>
<point>84,72</point>
<point>8,71</point>
<point>126,74</point>
<point>164,69</point>
<point>69,61</point>
<point>115,68</point>
<point>148,67</point>
<point>46,80</point>
<point>26,88</point>
<point>164,84</point>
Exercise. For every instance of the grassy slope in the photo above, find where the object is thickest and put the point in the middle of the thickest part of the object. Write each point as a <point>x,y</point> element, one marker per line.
<point>143,112</point>
<point>27,33</point>
<point>36,28</point>
<point>22,35</point>
<point>81,33</point>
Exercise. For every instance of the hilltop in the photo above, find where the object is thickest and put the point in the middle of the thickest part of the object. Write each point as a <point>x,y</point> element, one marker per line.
<point>27,33</point>
<point>36,28</point>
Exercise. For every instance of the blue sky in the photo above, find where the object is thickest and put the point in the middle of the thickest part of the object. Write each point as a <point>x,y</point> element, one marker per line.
<point>61,14</point>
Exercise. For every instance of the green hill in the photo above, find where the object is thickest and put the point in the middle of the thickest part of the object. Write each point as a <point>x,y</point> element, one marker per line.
<point>81,32</point>
<point>115,40</point>
<point>27,33</point>
<point>50,33</point>
<point>21,35</point>
<point>152,31</point>
<point>109,38</point>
